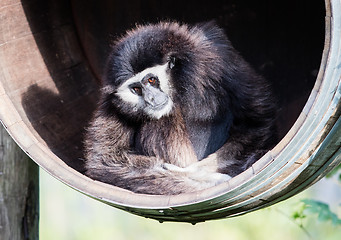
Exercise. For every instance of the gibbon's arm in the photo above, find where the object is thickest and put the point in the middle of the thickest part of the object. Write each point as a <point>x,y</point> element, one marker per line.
<point>230,160</point>
<point>110,160</point>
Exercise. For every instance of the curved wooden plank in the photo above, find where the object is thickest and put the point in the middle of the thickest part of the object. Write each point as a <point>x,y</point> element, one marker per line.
<point>43,84</point>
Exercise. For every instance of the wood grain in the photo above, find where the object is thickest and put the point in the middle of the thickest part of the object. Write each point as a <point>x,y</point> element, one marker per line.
<point>19,192</point>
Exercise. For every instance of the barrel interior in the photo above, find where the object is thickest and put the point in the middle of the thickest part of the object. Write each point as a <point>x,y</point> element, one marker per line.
<point>282,40</point>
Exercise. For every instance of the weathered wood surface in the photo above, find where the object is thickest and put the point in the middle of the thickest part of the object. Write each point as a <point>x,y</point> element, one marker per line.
<point>19,192</point>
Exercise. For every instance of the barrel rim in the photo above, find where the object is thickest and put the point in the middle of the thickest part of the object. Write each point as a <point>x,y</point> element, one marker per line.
<point>242,193</point>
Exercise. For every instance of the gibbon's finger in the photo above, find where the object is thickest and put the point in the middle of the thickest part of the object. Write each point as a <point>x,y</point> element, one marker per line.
<point>174,168</point>
<point>194,172</point>
<point>210,164</point>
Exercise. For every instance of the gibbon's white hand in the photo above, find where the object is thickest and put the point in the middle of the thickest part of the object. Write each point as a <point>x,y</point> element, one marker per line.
<point>202,171</point>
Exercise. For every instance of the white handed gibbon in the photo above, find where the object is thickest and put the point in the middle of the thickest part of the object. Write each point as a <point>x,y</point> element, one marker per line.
<point>179,111</point>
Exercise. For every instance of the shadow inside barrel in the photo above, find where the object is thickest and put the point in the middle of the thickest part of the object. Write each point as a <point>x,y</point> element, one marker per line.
<point>59,108</point>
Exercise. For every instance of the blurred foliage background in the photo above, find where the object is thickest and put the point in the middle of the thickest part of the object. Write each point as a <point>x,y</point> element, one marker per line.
<point>69,215</point>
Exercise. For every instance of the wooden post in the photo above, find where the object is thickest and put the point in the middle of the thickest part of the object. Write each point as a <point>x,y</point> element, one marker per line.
<point>19,192</point>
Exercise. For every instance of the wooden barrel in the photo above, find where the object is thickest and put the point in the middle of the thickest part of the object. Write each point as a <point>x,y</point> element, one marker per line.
<point>51,58</point>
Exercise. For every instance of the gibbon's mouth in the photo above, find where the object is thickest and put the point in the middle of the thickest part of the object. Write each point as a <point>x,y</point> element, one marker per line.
<point>158,106</point>
<point>159,110</point>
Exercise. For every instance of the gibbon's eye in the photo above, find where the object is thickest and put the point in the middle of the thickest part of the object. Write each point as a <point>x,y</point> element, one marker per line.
<point>137,90</point>
<point>152,80</point>
<point>171,62</point>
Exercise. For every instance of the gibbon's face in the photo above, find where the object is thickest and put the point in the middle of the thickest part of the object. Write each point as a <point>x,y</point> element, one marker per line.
<point>154,69</point>
<point>149,91</point>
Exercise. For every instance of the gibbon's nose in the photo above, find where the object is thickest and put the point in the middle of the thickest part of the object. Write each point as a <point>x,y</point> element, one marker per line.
<point>154,96</point>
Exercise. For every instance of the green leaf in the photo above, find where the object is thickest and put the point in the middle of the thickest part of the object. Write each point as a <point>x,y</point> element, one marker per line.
<point>321,209</point>
<point>298,215</point>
